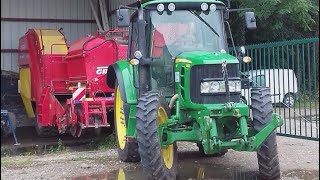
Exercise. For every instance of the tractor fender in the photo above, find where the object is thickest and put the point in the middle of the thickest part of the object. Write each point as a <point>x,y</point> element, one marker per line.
<point>122,71</point>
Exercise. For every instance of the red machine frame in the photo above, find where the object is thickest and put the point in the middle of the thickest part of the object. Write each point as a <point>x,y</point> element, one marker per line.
<point>68,89</point>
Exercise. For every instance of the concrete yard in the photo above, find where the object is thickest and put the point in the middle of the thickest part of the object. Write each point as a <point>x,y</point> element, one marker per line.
<point>299,159</point>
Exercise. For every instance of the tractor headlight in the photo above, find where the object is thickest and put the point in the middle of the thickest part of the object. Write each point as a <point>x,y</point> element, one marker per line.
<point>171,7</point>
<point>219,86</point>
<point>160,7</point>
<point>234,86</point>
<point>204,6</point>
<point>213,7</point>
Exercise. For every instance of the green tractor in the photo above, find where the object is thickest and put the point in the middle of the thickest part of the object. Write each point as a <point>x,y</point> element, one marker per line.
<point>180,83</point>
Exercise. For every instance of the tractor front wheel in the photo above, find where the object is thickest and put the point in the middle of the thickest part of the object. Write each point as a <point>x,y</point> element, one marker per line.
<point>158,162</point>
<point>127,151</point>
<point>267,154</point>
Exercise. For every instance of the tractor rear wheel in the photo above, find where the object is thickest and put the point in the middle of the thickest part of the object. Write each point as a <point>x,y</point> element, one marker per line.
<point>267,154</point>
<point>158,162</point>
<point>127,151</point>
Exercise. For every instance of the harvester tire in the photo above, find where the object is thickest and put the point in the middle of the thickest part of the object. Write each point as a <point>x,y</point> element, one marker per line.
<point>46,131</point>
<point>157,162</point>
<point>128,150</point>
<point>267,153</point>
<point>220,154</point>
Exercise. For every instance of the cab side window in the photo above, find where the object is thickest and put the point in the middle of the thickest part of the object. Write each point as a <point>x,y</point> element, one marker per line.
<point>134,39</point>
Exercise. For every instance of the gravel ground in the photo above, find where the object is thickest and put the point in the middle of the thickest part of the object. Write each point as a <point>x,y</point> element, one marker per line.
<point>299,159</point>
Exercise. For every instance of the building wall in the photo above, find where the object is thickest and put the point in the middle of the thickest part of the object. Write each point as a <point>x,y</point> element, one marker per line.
<point>74,16</point>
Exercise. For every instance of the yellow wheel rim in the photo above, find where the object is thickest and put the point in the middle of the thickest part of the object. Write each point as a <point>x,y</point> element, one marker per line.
<point>120,120</point>
<point>121,174</point>
<point>167,153</point>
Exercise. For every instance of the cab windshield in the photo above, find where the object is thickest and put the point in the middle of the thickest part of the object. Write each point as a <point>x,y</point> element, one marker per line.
<point>186,30</point>
<point>173,33</point>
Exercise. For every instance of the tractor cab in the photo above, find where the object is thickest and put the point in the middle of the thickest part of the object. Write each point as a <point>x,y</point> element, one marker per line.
<point>172,34</point>
<point>174,31</point>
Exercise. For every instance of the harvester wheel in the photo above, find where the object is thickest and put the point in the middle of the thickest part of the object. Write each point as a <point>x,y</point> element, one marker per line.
<point>127,151</point>
<point>76,130</point>
<point>158,162</point>
<point>267,154</point>
<point>221,153</point>
<point>46,131</point>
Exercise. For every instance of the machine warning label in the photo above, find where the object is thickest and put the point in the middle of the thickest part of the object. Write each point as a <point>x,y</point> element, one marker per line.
<point>102,70</point>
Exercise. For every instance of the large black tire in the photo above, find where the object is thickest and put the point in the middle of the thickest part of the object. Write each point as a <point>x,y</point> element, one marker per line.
<point>129,151</point>
<point>267,154</point>
<point>220,154</point>
<point>151,109</point>
<point>46,131</point>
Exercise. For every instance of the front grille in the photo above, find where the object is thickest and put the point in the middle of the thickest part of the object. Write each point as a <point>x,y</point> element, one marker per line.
<point>212,71</point>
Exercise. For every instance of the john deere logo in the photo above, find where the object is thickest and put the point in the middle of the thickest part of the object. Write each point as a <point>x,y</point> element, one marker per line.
<point>102,70</point>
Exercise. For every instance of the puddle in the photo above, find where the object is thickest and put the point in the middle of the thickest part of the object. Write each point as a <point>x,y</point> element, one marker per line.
<point>192,171</point>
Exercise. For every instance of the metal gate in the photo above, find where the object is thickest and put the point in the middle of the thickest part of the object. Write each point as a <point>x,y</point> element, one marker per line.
<point>291,70</point>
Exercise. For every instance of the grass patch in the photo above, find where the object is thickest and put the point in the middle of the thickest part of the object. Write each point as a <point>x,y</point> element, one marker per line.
<point>60,147</point>
<point>8,162</point>
<point>78,158</point>
<point>105,142</point>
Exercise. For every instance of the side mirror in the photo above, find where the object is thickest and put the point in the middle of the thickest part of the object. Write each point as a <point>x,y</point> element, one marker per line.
<point>250,20</point>
<point>123,17</point>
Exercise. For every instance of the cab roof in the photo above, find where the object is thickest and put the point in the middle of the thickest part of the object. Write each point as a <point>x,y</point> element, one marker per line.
<point>149,2</point>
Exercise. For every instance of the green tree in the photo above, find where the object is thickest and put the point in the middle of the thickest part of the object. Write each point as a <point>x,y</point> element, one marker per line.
<point>277,20</point>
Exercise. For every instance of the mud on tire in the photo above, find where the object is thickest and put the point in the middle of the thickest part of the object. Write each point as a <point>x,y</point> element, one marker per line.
<point>152,160</point>
<point>267,154</point>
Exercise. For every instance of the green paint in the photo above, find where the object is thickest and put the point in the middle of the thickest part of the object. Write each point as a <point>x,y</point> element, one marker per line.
<point>125,74</point>
<point>131,127</point>
<point>203,57</point>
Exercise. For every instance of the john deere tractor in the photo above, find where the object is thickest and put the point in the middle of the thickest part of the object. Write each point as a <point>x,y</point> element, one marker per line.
<point>180,83</point>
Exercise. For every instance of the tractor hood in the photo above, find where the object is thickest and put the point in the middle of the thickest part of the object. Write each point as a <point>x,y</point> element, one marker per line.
<point>204,57</point>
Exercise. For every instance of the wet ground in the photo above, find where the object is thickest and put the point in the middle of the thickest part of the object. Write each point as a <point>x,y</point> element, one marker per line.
<point>189,171</point>
<point>193,167</point>
<point>299,159</point>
